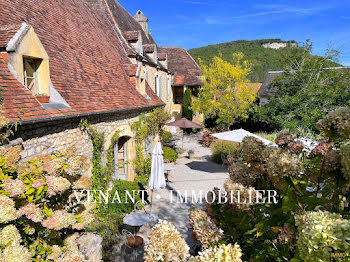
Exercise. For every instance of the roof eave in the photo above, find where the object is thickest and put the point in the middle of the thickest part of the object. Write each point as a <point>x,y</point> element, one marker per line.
<point>67,117</point>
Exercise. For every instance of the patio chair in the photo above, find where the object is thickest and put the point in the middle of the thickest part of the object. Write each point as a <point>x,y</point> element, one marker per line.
<point>131,243</point>
<point>224,160</point>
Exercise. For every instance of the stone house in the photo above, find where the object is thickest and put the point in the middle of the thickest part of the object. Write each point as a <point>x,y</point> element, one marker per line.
<point>69,60</point>
<point>186,75</point>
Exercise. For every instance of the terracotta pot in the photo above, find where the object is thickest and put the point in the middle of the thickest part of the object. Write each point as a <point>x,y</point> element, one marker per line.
<point>135,242</point>
<point>43,99</point>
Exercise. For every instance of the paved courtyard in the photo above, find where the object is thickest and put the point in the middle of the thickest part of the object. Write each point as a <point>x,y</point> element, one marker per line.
<point>196,174</point>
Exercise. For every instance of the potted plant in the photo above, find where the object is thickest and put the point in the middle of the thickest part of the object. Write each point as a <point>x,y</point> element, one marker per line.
<point>42,98</point>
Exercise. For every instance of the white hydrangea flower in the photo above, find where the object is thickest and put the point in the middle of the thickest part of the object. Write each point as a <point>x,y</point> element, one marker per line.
<point>166,244</point>
<point>321,233</point>
<point>16,254</point>
<point>8,211</point>
<point>10,234</point>
<point>222,253</point>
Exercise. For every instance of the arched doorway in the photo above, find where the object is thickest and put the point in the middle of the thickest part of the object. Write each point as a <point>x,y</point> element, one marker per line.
<point>121,158</point>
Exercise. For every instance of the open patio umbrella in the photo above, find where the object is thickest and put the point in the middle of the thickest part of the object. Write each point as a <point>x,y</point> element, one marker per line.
<point>238,135</point>
<point>156,178</point>
<point>172,129</point>
<point>184,123</point>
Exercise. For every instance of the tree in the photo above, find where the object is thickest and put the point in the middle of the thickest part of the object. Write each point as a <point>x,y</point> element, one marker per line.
<point>307,91</point>
<point>226,93</point>
<point>187,111</point>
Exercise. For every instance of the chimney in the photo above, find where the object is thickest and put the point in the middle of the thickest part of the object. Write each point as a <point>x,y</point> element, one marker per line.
<point>142,20</point>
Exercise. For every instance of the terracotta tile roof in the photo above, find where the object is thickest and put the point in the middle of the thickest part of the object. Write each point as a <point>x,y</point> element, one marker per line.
<point>126,22</point>
<point>149,48</point>
<point>180,62</point>
<point>16,97</point>
<point>131,69</point>
<point>132,35</point>
<point>6,34</point>
<point>86,59</point>
<point>162,56</point>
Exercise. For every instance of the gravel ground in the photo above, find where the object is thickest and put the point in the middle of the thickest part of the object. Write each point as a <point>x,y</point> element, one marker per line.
<point>196,174</point>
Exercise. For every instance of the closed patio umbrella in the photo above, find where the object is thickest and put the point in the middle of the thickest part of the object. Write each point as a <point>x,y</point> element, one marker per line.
<point>238,135</point>
<point>156,178</point>
<point>172,129</point>
<point>184,123</point>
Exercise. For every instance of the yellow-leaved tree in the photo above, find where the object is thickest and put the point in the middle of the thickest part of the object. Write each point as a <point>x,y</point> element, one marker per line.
<point>226,92</point>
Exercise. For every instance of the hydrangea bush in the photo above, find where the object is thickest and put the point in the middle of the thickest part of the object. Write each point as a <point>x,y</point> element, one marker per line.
<point>38,209</point>
<point>304,182</point>
<point>322,233</point>
<point>205,230</point>
<point>165,244</point>
<point>221,253</point>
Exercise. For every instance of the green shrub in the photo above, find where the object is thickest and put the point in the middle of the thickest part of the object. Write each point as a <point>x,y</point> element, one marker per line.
<point>166,137</point>
<point>142,179</point>
<point>187,111</point>
<point>170,154</point>
<point>142,165</point>
<point>180,151</point>
<point>225,148</point>
<point>121,186</point>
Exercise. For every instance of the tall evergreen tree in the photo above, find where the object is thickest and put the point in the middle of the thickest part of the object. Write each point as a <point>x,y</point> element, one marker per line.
<point>187,111</point>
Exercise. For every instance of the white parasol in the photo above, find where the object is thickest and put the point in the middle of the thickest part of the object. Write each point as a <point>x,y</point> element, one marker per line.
<point>238,135</point>
<point>156,179</point>
<point>172,129</point>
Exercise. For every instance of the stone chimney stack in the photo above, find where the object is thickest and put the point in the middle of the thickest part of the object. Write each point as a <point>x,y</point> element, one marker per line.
<point>142,20</point>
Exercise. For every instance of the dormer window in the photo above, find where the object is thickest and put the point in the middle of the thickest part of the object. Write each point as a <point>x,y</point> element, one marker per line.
<point>30,73</point>
<point>27,56</point>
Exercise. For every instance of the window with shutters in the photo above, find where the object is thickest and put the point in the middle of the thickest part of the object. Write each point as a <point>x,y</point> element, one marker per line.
<point>167,88</point>
<point>160,87</point>
<point>156,85</point>
<point>121,158</point>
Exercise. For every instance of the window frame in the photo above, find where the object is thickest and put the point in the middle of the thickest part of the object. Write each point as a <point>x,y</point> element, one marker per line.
<point>36,64</point>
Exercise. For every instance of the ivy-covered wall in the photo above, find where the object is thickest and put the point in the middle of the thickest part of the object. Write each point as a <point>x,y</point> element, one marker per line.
<point>47,139</point>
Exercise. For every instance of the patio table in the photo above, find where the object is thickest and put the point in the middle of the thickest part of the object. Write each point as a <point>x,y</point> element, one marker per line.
<point>138,219</point>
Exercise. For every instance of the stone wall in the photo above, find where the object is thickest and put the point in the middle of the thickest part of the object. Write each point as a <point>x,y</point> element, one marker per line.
<point>152,73</point>
<point>57,136</point>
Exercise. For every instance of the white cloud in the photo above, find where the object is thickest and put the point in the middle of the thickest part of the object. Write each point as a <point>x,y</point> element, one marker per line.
<point>281,9</point>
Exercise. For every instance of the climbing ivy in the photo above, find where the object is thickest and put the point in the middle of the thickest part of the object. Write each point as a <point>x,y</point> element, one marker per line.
<point>110,167</point>
<point>146,126</point>
<point>99,178</point>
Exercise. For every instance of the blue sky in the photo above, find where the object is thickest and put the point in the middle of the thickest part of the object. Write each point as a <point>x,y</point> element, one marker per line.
<point>196,23</point>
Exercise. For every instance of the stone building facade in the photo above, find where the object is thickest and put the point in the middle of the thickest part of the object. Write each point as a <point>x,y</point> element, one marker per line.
<point>65,61</point>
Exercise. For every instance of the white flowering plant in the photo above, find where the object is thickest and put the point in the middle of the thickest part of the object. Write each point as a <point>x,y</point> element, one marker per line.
<point>166,244</point>
<point>38,210</point>
<point>304,181</point>
<point>322,234</point>
<point>205,230</point>
<point>221,253</point>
